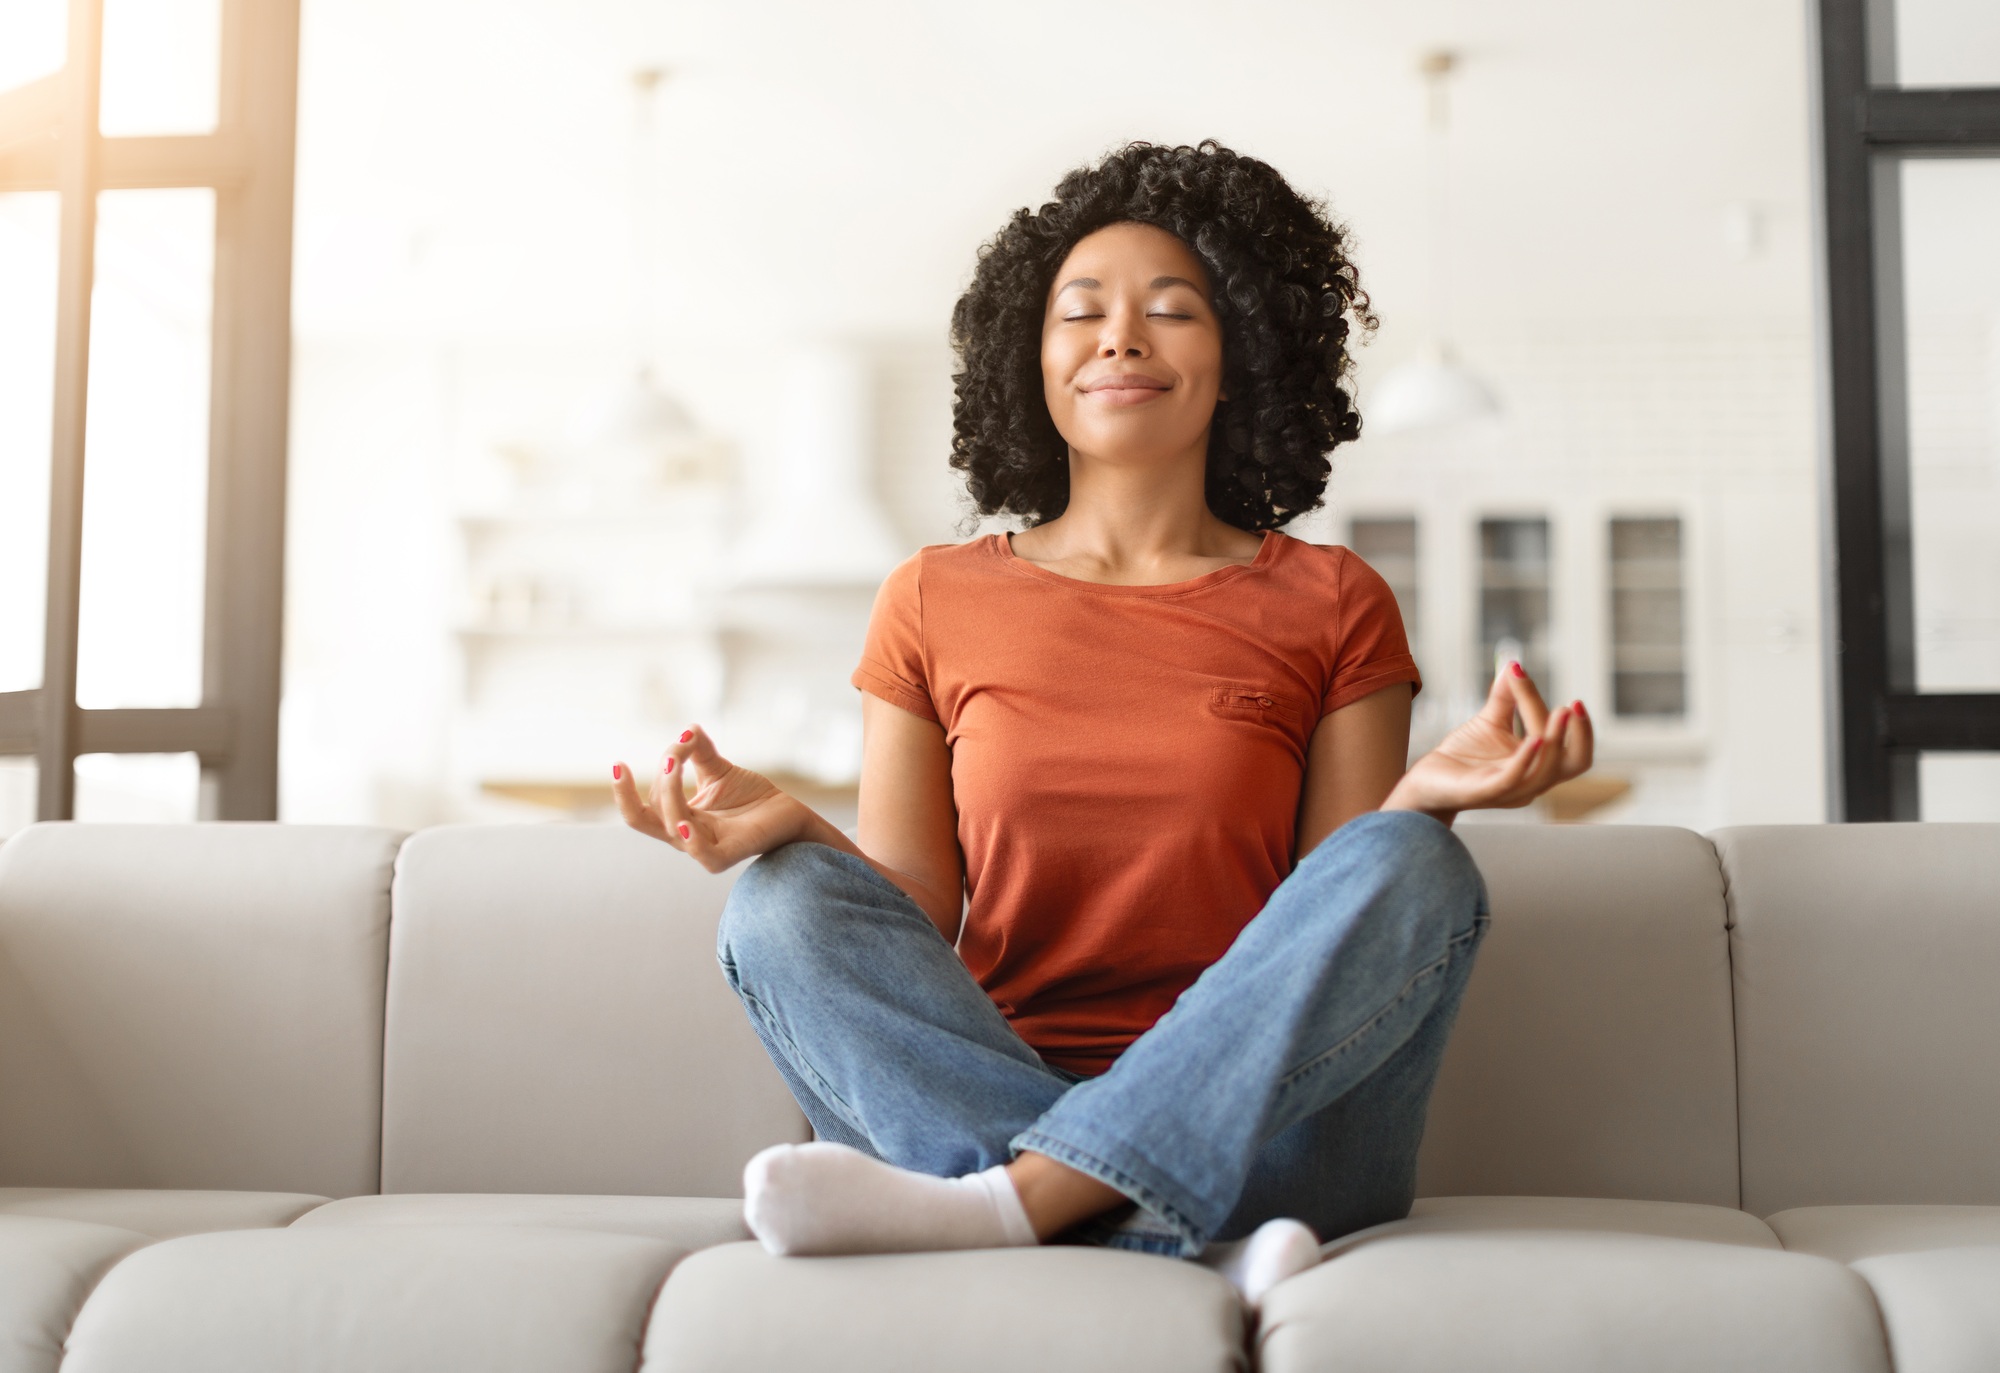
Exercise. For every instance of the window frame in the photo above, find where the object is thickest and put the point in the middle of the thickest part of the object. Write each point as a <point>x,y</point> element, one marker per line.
<point>49,140</point>
<point>1878,723</point>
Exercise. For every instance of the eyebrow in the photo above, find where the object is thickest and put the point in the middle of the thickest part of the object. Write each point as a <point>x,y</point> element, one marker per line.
<point>1158,284</point>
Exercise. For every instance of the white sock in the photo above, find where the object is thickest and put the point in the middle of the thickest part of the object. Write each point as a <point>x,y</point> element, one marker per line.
<point>823,1198</point>
<point>1276,1250</point>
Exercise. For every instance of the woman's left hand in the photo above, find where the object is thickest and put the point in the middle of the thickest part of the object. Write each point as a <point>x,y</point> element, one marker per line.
<point>1481,765</point>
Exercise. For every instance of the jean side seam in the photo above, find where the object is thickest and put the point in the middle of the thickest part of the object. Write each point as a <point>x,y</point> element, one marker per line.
<point>1299,1074</point>
<point>823,1089</point>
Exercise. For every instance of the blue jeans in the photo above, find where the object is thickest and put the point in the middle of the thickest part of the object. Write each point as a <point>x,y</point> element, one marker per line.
<point>1290,1080</point>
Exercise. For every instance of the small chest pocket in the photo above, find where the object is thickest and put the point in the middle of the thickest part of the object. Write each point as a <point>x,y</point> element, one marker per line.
<point>1248,703</point>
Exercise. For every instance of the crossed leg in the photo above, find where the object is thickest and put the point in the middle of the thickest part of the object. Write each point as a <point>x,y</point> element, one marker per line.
<point>1290,1079</point>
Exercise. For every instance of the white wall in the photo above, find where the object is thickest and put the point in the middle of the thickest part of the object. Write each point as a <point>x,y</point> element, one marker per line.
<point>465,260</point>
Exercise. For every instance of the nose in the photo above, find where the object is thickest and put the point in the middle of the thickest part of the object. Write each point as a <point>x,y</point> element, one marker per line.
<point>1124,336</point>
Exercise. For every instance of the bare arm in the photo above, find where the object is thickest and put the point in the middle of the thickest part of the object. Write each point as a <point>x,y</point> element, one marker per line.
<point>1357,754</point>
<point>1355,763</point>
<point>909,830</point>
<point>909,823</point>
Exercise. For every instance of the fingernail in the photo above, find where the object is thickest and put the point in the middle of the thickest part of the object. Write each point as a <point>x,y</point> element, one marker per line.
<point>616,772</point>
<point>670,765</point>
<point>683,829</point>
<point>1580,710</point>
<point>1519,671</point>
<point>686,735</point>
<point>1534,743</point>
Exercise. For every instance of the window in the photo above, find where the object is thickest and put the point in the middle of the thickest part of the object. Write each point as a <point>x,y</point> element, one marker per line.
<point>1648,658</point>
<point>1389,545</point>
<point>1909,133</point>
<point>1514,597</point>
<point>146,181</point>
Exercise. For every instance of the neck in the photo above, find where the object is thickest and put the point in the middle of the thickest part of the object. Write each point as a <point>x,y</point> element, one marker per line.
<point>1132,520</point>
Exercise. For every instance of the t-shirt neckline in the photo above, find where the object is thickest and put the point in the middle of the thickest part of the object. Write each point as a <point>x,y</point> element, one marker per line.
<point>1267,553</point>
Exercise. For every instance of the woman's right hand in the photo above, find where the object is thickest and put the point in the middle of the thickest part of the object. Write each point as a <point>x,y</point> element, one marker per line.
<point>733,814</point>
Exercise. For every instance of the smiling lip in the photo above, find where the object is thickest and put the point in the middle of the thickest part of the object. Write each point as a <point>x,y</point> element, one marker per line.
<point>1126,386</point>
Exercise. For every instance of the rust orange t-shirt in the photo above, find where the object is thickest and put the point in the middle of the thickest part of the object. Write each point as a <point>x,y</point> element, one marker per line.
<point>1126,760</point>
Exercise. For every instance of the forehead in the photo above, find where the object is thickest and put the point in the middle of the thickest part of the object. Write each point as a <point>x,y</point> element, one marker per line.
<point>1130,251</point>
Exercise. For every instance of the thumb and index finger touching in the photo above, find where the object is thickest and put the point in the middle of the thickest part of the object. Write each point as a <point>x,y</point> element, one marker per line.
<point>665,813</point>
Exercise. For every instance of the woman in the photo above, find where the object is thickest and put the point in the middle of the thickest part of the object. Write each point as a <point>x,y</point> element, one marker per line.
<point>1148,939</point>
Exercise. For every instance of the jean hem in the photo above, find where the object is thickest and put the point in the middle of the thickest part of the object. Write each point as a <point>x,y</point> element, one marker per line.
<point>1185,1239</point>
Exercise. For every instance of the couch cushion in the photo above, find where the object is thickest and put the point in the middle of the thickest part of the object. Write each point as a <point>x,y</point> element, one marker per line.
<point>1935,1271</point>
<point>1561,1289</point>
<point>159,1214</point>
<point>692,1222</point>
<point>1594,1054</point>
<point>557,1022</point>
<point>1676,1220</point>
<point>736,1309</point>
<point>1941,1307</point>
<point>415,1299</point>
<point>193,1006</point>
<point>47,1268</point>
<point>1866,958</point>
<point>1849,1233</point>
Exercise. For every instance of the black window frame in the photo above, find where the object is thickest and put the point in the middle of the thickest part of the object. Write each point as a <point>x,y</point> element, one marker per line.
<point>1878,722</point>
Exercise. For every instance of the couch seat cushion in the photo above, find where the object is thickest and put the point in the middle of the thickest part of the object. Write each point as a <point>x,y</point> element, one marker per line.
<point>1666,1219</point>
<point>386,1299</point>
<point>690,1222</point>
<point>1935,1271</point>
<point>736,1309</point>
<point>1559,1285</point>
<point>1849,1233</point>
<point>1941,1307</point>
<point>47,1268</point>
<point>158,1213</point>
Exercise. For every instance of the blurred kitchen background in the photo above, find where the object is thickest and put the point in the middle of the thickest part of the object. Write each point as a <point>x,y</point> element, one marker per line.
<point>620,374</point>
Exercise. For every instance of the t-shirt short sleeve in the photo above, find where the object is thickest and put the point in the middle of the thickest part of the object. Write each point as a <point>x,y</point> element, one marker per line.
<point>892,659</point>
<point>1370,649</point>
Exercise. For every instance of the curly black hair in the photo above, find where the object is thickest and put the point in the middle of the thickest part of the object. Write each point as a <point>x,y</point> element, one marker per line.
<point>1285,293</point>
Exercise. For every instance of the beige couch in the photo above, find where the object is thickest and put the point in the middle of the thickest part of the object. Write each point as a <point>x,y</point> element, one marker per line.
<point>337,1099</point>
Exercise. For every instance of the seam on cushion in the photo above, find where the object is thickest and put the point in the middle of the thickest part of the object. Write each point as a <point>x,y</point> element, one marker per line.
<point>646,1318</point>
<point>388,968</point>
<point>1735,1009</point>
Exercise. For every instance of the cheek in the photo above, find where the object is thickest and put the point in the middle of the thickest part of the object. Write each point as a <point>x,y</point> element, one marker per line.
<point>1204,359</point>
<point>1057,369</point>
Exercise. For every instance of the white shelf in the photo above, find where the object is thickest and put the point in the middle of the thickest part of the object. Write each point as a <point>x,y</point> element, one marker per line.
<point>585,632</point>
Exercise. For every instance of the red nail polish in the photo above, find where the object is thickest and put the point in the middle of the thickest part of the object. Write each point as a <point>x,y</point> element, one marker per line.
<point>686,735</point>
<point>615,772</point>
<point>683,829</point>
<point>1520,671</point>
<point>1534,743</point>
<point>670,765</point>
<point>1580,710</point>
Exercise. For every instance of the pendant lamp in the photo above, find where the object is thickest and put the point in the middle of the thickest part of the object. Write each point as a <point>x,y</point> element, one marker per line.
<point>1435,391</point>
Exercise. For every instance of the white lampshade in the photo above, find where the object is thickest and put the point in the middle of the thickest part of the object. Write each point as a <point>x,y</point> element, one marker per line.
<point>1427,394</point>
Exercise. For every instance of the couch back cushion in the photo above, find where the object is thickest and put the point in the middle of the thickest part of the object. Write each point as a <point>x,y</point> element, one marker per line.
<point>557,1021</point>
<point>193,1006</point>
<point>1867,1012</point>
<point>1593,1055</point>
